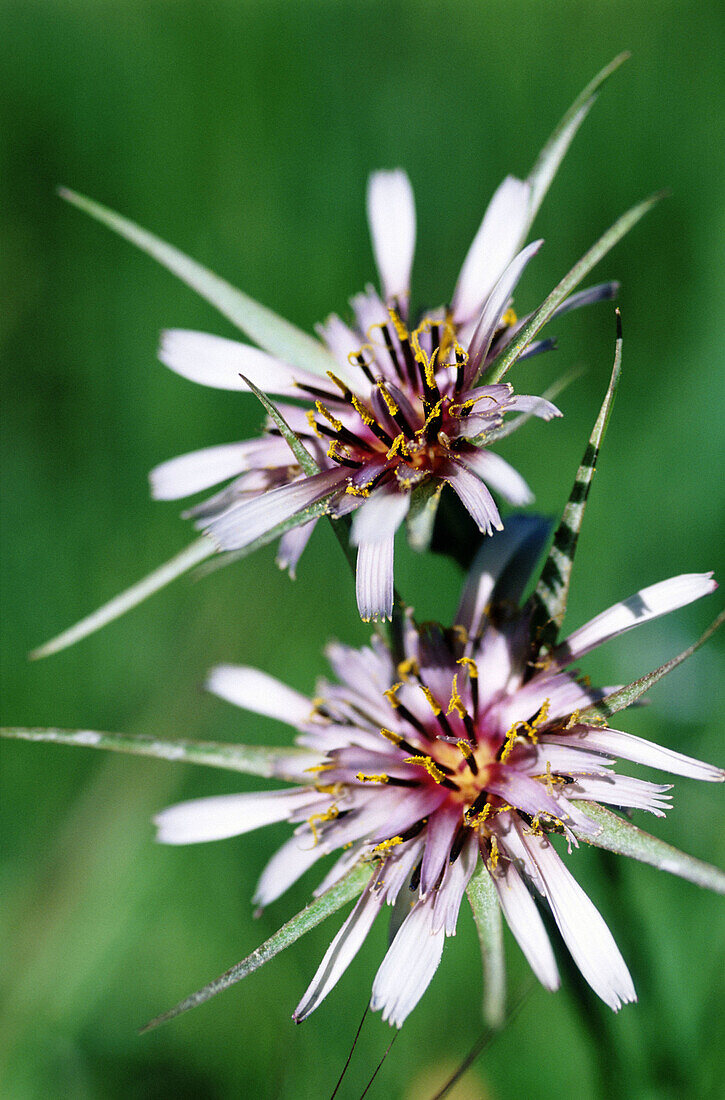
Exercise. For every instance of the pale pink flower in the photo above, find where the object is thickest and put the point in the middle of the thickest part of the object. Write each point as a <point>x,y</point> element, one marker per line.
<point>453,769</point>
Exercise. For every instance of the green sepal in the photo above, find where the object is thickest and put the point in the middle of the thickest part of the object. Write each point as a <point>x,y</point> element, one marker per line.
<point>562,290</point>
<point>621,836</point>
<point>259,760</point>
<point>552,591</point>
<point>273,333</point>
<point>483,898</point>
<point>318,910</point>
<point>625,696</point>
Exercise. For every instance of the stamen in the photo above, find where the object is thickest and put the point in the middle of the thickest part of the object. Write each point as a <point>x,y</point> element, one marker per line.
<point>369,421</point>
<point>398,446</point>
<point>468,756</point>
<point>415,877</point>
<point>494,852</point>
<point>407,668</point>
<point>321,767</point>
<point>435,771</point>
<point>337,455</point>
<point>386,845</point>
<point>437,710</point>
<point>323,411</point>
<point>478,811</point>
<point>310,415</point>
<point>456,703</point>
<point>509,318</point>
<point>362,778</point>
<point>359,360</point>
<point>397,740</point>
<point>391,350</point>
<point>414,830</point>
<point>329,815</point>
<point>392,697</point>
<point>402,334</point>
<point>342,386</point>
<point>395,411</point>
<point>472,668</point>
<point>458,842</point>
<point>461,363</point>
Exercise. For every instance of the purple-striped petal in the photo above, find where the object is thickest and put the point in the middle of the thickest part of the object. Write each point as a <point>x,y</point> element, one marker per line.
<point>374,579</point>
<point>474,496</point>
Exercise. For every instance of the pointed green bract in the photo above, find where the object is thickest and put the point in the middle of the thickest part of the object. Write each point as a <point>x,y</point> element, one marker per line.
<point>554,151</point>
<point>625,696</point>
<point>621,836</point>
<point>487,915</point>
<point>273,333</point>
<point>552,591</point>
<point>294,442</point>
<point>328,903</point>
<point>181,563</point>
<point>259,760</point>
<point>606,242</point>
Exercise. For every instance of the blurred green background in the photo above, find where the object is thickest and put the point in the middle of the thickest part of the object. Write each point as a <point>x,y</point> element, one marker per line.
<point>244,133</point>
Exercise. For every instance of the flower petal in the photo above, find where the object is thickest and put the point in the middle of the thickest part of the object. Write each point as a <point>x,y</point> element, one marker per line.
<point>380,516</point>
<point>217,362</point>
<point>648,603</point>
<point>474,496</point>
<point>340,953</point>
<point>439,834</point>
<point>374,579</point>
<point>227,815</point>
<point>499,475</point>
<point>640,751</point>
<point>292,545</point>
<point>190,473</point>
<point>262,694</point>
<point>493,247</point>
<point>391,214</point>
<point>493,309</point>
<point>409,965</point>
<point>527,927</point>
<point>287,864</point>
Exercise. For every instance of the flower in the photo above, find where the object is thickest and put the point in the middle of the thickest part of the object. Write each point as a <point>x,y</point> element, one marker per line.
<point>455,768</point>
<point>402,411</point>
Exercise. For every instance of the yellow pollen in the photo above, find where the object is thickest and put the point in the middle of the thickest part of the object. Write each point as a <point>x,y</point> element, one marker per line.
<point>323,411</point>
<point>398,447</point>
<point>479,818</point>
<point>435,412</point>
<point>430,766</point>
<point>407,668</point>
<point>392,407</point>
<point>310,414</point>
<point>356,490</point>
<point>398,325</point>
<point>466,750</point>
<point>335,450</point>
<point>329,788</point>
<point>456,703</point>
<point>386,845</point>
<point>469,664</point>
<point>494,852</point>
<point>509,318</point>
<point>319,819</point>
<point>320,767</point>
<point>460,633</point>
<point>391,694</point>
<point>342,386</point>
<point>394,738</point>
<point>362,412</point>
<point>371,778</point>
<point>541,716</point>
<point>434,706</point>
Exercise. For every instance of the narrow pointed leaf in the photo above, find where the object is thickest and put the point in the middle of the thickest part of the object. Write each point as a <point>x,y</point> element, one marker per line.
<point>328,903</point>
<point>551,156</point>
<point>181,563</point>
<point>250,759</point>
<point>271,332</point>
<point>294,442</point>
<point>552,591</point>
<point>487,915</point>
<point>625,696</point>
<point>606,242</point>
<point>621,836</point>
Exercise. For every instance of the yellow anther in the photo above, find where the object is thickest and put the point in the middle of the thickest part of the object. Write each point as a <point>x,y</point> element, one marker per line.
<point>429,764</point>
<point>398,447</point>
<point>511,736</point>
<point>407,668</point>
<point>356,490</point>
<point>549,779</point>
<point>479,818</point>
<point>386,845</point>
<point>456,703</point>
<point>354,357</point>
<point>461,353</point>
<point>435,411</point>
<point>371,778</point>
<point>494,852</point>
<point>310,414</point>
<point>362,412</point>
<point>469,664</point>
<point>535,829</point>
<point>323,411</point>
<point>432,703</point>
<point>394,738</point>
<point>319,819</point>
<point>391,694</point>
<point>465,748</point>
<point>336,450</point>
<point>392,407</point>
<point>329,788</point>
<point>509,318</point>
<point>320,767</point>
<point>342,386</point>
<point>460,633</point>
<point>541,717</point>
<point>398,325</point>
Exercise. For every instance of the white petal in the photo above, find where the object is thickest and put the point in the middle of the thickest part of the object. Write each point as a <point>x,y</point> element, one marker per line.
<point>380,516</point>
<point>535,406</point>
<point>581,924</point>
<point>228,815</point>
<point>391,215</point>
<point>340,953</point>
<point>523,919</point>
<point>439,834</point>
<point>292,545</point>
<point>648,603</point>
<point>640,751</point>
<point>494,246</point>
<point>256,691</point>
<point>374,579</point>
<point>500,476</point>
<point>621,790</point>
<point>342,342</point>
<point>287,864</point>
<point>217,362</point>
<point>190,473</point>
<point>474,496</point>
<point>410,963</point>
<point>494,308</point>
<point>244,522</point>
<point>447,902</point>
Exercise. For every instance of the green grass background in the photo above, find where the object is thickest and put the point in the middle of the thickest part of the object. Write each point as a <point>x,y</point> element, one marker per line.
<point>244,132</point>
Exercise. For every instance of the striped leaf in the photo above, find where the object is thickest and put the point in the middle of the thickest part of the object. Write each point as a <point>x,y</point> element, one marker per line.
<point>271,763</point>
<point>621,836</point>
<point>266,328</point>
<point>328,903</point>
<point>625,696</point>
<point>487,915</point>
<point>552,591</point>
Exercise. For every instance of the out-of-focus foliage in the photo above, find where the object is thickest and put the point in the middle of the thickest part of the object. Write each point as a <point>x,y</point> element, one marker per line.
<point>244,132</point>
